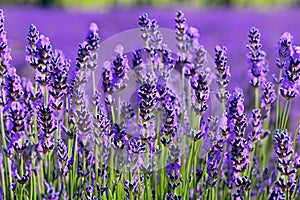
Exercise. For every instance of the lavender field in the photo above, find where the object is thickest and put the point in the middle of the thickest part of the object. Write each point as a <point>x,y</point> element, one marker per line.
<point>203,105</point>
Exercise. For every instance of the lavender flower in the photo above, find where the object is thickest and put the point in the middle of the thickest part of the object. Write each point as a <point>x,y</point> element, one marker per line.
<point>170,126</point>
<point>93,40</point>
<point>222,73</point>
<point>147,94</point>
<point>213,161</point>
<point>50,192</point>
<point>268,97</point>
<point>200,84</point>
<point>59,75</point>
<point>32,38</point>
<point>14,87</point>
<point>144,23</point>
<point>285,49</point>
<point>44,54</point>
<point>236,123</point>
<point>284,151</point>
<point>131,186</point>
<point>181,37</point>
<point>290,85</point>
<point>107,80</point>
<point>119,137</point>
<point>258,65</point>
<point>173,168</point>
<point>120,67</point>
<point>47,128</point>
<point>4,50</point>
<point>256,127</point>
<point>62,158</point>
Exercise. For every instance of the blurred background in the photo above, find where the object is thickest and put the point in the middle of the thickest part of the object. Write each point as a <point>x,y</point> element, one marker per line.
<point>109,3</point>
<point>220,22</point>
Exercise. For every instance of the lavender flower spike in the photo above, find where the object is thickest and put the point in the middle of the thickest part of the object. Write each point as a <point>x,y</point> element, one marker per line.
<point>258,65</point>
<point>291,79</point>
<point>4,50</point>
<point>285,49</point>
<point>222,73</point>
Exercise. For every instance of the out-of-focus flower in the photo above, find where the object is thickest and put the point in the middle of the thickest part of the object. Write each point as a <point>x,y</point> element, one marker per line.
<point>50,194</point>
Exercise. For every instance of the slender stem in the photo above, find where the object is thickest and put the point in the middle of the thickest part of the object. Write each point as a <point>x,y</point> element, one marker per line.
<point>278,111</point>
<point>188,171</point>
<point>283,116</point>
<point>119,107</point>
<point>7,164</point>
<point>256,97</point>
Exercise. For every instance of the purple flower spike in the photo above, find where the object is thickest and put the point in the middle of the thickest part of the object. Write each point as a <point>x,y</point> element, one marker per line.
<point>268,97</point>
<point>32,38</point>
<point>285,49</point>
<point>144,23</point>
<point>258,65</point>
<point>200,84</point>
<point>120,67</point>
<point>44,54</point>
<point>291,79</point>
<point>4,50</point>
<point>256,127</point>
<point>93,40</point>
<point>213,161</point>
<point>50,192</point>
<point>173,167</point>
<point>221,66</point>
<point>107,79</point>
<point>222,73</point>
<point>236,124</point>
<point>284,151</point>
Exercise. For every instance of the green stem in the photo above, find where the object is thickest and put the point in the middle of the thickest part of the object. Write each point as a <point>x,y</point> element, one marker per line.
<point>256,97</point>
<point>278,111</point>
<point>188,171</point>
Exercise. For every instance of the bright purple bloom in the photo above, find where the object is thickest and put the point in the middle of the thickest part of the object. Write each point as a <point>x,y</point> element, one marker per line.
<point>258,65</point>
<point>291,78</point>
<point>14,89</point>
<point>144,23</point>
<point>284,151</point>
<point>4,50</point>
<point>285,49</point>
<point>213,161</point>
<point>256,131</point>
<point>200,84</point>
<point>236,125</point>
<point>170,127</point>
<point>268,96</point>
<point>223,72</point>
<point>120,68</point>
<point>32,38</point>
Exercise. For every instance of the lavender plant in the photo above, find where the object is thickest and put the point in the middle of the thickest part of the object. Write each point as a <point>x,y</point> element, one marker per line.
<point>163,141</point>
